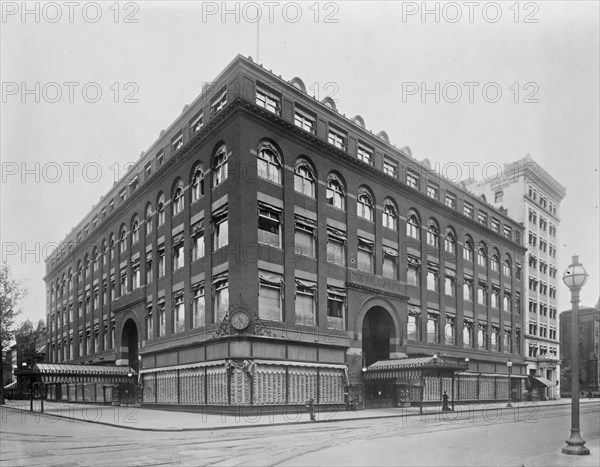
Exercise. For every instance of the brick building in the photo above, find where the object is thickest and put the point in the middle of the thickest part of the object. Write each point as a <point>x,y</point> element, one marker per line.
<point>266,249</point>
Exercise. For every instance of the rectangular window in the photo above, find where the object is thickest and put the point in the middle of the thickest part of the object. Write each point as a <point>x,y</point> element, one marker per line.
<point>468,290</point>
<point>365,255</point>
<point>365,154</point>
<point>433,323</point>
<point>268,99</point>
<point>148,170</point>
<point>390,167</point>
<point>149,322</point>
<point>494,339</point>
<point>160,159</point>
<point>198,305</point>
<point>123,283</point>
<point>336,251</point>
<point>161,261</point>
<point>219,102</point>
<point>304,236</point>
<point>482,337</point>
<point>498,196</point>
<point>220,228</point>
<point>390,263</point>
<point>305,302</point>
<point>178,254</point>
<point>270,297</point>
<point>468,340</point>
<point>162,319</point>
<point>412,180</point>
<point>221,297</point>
<point>433,192</point>
<point>432,279</point>
<point>336,307</point>
<point>508,232</point>
<point>468,210</point>
<point>305,120</point>
<point>338,138</point>
<point>450,285</point>
<point>413,272</point>
<point>450,200</point>
<point>122,195</point>
<point>450,331</point>
<point>176,142</point>
<point>178,313</point>
<point>482,294</point>
<point>495,225</point>
<point>482,217</point>
<point>196,123</point>
<point>135,276</point>
<point>269,225</point>
<point>413,325</point>
<point>197,241</point>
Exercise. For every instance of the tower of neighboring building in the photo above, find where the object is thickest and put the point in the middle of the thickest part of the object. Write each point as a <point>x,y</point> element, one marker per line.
<point>532,197</point>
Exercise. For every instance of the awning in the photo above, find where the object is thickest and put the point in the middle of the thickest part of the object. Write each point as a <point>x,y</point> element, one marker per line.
<point>544,381</point>
<point>11,385</point>
<point>402,368</point>
<point>67,373</point>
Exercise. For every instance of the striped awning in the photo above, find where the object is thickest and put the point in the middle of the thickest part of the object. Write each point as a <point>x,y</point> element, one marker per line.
<point>67,373</point>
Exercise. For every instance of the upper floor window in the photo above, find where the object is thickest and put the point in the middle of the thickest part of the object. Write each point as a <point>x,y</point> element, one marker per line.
<point>268,99</point>
<point>123,240</point>
<point>304,120</point>
<point>269,163</point>
<point>148,170</point>
<point>336,196</point>
<point>468,249</point>
<point>507,267</point>
<point>149,219</point>
<point>433,233</point>
<point>413,226</point>
<point>178,198</point>
<point>220,225</point>
<point>482,217</point>
<point>220,165</point>
<point>160,158</point>
<point>495,225</point>
<point>495,262</point>
<point>450,242</point>
<point>450,200</point>
<point>122,195</point>
<point>197,183</point>
<point>365,154</point>
<point>412,180</point>
<point>135,231</point>
<point>269,224</point>
<point>364,205</point>
<point>468,209</point>
<point>482,256</point>
<point>304,178</point>
<point>508,231</point>
<point>338,138</point>
<point>176,142</point>
<point>433,192</point>
<point>390,167</point>
<point>160,207</point>
<point>219,102</point>
<point>196,123</point>
<point>390,215</point>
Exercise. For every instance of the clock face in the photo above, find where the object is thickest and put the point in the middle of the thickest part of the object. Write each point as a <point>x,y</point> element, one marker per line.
<point>240,320</point>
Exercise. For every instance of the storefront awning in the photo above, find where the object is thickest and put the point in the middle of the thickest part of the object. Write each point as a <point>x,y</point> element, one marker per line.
<point>412,368</point>
<point>67,373</point>
<point>11,385</point>
<point>544,381</point>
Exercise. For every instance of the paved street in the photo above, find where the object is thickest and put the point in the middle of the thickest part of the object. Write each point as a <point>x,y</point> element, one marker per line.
<point>478,438</point>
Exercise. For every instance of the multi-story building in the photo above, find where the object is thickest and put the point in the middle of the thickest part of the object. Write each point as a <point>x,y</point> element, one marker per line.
<point>532,197</point>
<point>266,249</point>
<point>589,347</point>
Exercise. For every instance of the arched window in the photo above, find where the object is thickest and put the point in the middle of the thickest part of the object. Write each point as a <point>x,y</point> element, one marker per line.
<point>433,233</point>
<point>178,198</point>
<point>413,226</point>
<point>390,215</point>
<point>160,207</point>
<point>304,178</point>
<point>197,183</point>
<point>123,240</point>
<point>468,249</point>
<point>104,253</point>
<point>111,247</point>
<point>507,266</point>
<point>95,261</point>
<point>148,219</point>
<point>482,255</point>
<point>269,163</point>
<point>495,260</point>
<point>364,205</point>
<point>336,195</point>
<point>135,231</point>
<point>220,165</point>
<point>86,263</point>
<point>450,241</point>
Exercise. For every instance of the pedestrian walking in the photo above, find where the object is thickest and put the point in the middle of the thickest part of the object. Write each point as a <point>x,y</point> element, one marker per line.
<point>310,404</point>
<point>445,407</point>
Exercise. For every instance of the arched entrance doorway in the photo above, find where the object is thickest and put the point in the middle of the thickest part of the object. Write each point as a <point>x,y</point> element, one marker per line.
<point>129,344</point>
<point>378,332</point>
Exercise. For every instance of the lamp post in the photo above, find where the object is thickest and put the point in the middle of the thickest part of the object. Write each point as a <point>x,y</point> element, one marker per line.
<point>509,364</point>
<point>574,278</point>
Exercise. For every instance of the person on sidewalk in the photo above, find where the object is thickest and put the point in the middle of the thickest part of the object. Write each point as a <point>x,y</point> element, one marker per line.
<point>445,407</point>
<point>310,404</point>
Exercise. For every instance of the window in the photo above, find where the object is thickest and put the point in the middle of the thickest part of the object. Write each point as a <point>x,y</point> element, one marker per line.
<point>161,260</point>
<point>149,219</point>
<point>481,336</point>
<point>176,143</point>
<point>468,340</point>
<point>390,263</point>
<point>412,180</point>
<point>197,183</point>
<point>552,230</point>
<point>450,283</point>
<point>482,217</point>
<point>135,231</point>
<point>433,192</point>
<point>135,275</point>
<point>270,296</point>
<point>532,193</point>
<point>543,201</point>
<point>220,228</point>
<point>433,233</point>
<point>433,323</point>
<point>149,322</point>
<point>432,278</point>
<point>507,231</point>
<point>219,102</point>
<point>364,205</point>
<point>450,331</point>
<point>413,226</point>
<point>390,167</point>
<point>178,198</point>
<point>196,123</point>
<point>450,200</point>
<point>178,312</point>
<point>111,206</point>
<point>304,236</point>
<point>482,294</point>
<point>162,319</point>
<point>148,170</point>
<point>160,206</point>
<point>468,210</point>
<point>269,225</point>
<point>148,267</point>
<point>494,339</point>
<point>123,284</point>
<point>532,216</point>
<point>365,255</point>
<point>338,138</point>
<point>507,267</point>
<point>269,163</point>
<point>160,158</point>
<point>305,302</point>
<point>336,307</point>
<point>122,243</point>
<point>507,341</point>
<point>304,178</point>
<point>450,242</point>
<point>482,256</point>
<point>220,166</point>
<point>221,296</point>
<point>494,298</point>
<point>468,250</point>
<point>335,192</point>
<point>495,225</point>
<point>543,223</point>
<point>468,289</point>
<point>413,325</point>
<point>495,261</point>
<point>304,120</point>
<point>390,215</point>
<point>413,271</point>
<point>506,302</point>
<point>197,241</point>
<point>498,196</point>
<point>178,254</point>
<point>96,302</point>
<point>365,154</point>
<point>336,240</point>
<point>122,195</point>
<point>267,99</point>
<point>198,305</point>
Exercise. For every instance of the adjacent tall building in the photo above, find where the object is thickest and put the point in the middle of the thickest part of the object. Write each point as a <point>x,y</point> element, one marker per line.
<point>266,250</point>
<point>532,197</point>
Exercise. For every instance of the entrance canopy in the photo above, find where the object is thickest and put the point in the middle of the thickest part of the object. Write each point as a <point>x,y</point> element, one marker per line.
<point>411,368</point>
<point>11,385</point>
<point>539,381</point>
<point>65,373</point>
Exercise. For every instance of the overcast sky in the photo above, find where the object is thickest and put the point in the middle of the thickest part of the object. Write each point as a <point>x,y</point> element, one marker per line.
<point>148,60</point>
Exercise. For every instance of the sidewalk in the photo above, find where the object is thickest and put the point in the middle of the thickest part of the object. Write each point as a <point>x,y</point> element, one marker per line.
<point>146,419</point>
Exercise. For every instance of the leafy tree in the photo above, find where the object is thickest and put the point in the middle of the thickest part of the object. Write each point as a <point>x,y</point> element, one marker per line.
<point>566,372</point>
<point>11,293</point>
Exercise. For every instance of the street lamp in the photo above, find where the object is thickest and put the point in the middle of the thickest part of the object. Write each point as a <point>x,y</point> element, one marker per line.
<point>574,278</point>
<point>509,364</point>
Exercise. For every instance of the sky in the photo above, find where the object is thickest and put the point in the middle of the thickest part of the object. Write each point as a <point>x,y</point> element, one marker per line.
<point>87,87</point>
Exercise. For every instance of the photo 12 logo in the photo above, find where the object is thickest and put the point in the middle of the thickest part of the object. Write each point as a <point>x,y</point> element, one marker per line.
<point>451,92</point>
<point>69,91</point>
<point>253,12</point>
<point>471,12</point>
<point>69,12</point>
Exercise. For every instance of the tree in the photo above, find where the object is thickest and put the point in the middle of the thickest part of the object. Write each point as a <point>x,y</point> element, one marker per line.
<point>34,333</point>
<point>11,293</point>
<point>566,372</point>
